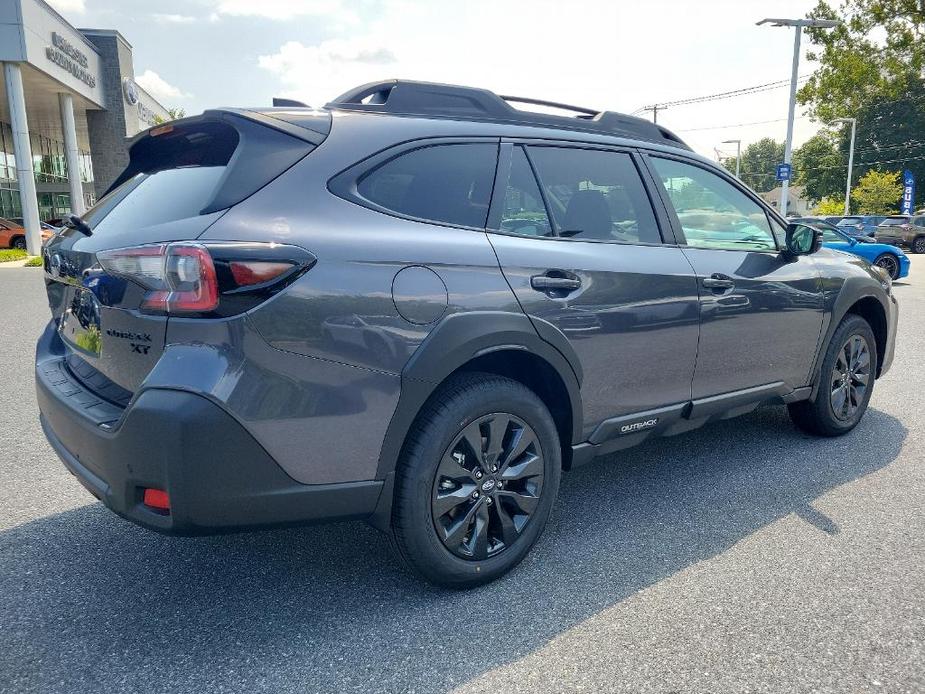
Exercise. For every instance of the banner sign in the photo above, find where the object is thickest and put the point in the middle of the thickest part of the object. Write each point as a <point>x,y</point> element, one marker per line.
<point>908,193</point>
<point>783,172</point>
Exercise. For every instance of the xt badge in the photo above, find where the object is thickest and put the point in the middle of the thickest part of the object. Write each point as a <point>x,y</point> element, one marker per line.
<point>139,349</point>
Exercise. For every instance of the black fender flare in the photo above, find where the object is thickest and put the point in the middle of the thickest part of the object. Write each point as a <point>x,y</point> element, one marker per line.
<point>853,290</point>
<point>456,340</point>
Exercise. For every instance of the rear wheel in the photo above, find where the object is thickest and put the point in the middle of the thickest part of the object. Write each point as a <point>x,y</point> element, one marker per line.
<point>19,243</point>
<point>890,263</point>
<point>918,245</point>
<point>476,482</point>
<point>847,381</point>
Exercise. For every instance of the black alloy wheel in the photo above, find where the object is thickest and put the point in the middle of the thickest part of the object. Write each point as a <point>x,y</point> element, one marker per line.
<point>850,378</point>
<point>487,486</point>
<point>19,243</point>
<point>890,263</point>
<point>918,246</point>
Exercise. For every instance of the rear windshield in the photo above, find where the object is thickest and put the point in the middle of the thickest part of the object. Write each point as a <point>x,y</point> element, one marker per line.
<point>147,199</point>
<point>894,221</point>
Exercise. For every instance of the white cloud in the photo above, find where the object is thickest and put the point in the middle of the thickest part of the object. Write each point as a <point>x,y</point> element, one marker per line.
<point>158,87</point>
<point>69,6</point>
<point>172,18</point>
<point>285,9</point>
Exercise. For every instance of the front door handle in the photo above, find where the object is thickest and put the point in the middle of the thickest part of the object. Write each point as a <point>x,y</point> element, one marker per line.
<point>545,283</point>
<point>718,281</point>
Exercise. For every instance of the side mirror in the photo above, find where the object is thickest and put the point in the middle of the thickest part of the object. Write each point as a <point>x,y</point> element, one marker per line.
<point>802,240</point>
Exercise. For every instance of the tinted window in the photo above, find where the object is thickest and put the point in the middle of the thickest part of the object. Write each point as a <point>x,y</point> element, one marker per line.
<point>919,221</point>
<point>524,211</point>
<point>154,198</point>
<point>894,222</point>
<point>594,194</point>
<point>443,183</point>
<point>714,213</point>
<point>829,236</point>
<point>850,221</point>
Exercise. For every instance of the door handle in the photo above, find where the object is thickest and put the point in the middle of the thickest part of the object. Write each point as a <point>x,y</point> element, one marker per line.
<point>545,283</point>
<point>717,281</point>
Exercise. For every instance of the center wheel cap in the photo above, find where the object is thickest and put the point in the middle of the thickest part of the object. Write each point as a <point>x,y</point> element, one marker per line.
<point>488,485</point>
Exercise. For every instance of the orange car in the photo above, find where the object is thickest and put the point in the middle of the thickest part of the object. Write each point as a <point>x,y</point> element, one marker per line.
<point>13,235</point>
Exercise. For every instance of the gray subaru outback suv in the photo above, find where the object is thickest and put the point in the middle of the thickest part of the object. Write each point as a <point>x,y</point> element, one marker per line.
<point>417,306</point>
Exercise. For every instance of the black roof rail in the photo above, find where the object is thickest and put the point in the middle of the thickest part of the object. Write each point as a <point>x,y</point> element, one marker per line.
<point>411,98</point>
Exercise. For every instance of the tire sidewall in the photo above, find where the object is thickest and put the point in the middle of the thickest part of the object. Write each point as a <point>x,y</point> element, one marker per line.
<point>429,556</point>
<point>894,272</point>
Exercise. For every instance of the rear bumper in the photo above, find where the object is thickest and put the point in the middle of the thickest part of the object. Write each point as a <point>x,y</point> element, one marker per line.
<point>217,476</point>
<point>891,325</point>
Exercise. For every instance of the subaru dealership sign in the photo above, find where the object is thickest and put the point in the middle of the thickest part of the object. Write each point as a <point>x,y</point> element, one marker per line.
<point>906,207</point>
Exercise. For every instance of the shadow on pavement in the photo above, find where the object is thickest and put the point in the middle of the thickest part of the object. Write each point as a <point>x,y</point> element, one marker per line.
<point>90,602</point>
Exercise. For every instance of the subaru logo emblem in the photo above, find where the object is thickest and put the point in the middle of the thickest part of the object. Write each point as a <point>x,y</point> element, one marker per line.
<point>488,485</point>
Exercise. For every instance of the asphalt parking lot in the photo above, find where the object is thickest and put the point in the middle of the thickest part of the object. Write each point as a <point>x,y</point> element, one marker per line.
<point>742,557</point>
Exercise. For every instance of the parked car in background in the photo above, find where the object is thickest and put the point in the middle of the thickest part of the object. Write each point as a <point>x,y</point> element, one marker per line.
<point>860,225</point>
<point>418,306</point>
<point>823,223</point>
<point>13,235</point>
<point>903,230</point>
<point>833,220</point>
<point>890,258</point>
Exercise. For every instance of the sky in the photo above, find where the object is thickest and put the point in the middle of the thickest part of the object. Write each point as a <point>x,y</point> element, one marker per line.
<point>616,55</point>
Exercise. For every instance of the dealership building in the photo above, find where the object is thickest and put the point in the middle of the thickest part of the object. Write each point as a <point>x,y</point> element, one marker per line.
<point>68,104</point>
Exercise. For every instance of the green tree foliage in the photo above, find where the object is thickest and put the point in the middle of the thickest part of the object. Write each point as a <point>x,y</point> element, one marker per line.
<point>820,167</point>
<point>829,207</point>
<point>871,68</point>
<point>759,164</point>
<point>877,193</point>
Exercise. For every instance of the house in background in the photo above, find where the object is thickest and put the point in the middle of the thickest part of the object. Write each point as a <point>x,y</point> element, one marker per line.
<point>797,204</point>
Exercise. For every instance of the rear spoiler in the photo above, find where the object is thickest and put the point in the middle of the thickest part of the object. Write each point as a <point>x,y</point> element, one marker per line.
<point>254,147</point>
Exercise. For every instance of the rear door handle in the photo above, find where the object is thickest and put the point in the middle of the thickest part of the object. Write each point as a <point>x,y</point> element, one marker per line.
<point>717,281</point>
<point>545,283</point>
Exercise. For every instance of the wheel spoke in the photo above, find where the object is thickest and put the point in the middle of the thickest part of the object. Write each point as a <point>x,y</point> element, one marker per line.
<point>529,465</point>
<point>508,530</point>
<point>838,400</point>
<point>526,503</point>
<point>446,501</point>
<point>497,428</point>
<point>456,531</point>
<point>520,442</point>
<point>472,436</point>
<point>478,544</point>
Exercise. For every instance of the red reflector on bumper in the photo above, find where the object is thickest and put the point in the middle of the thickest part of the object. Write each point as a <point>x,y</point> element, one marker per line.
<point>157,498</point>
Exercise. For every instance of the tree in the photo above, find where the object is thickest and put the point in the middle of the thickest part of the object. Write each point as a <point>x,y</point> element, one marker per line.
<point>759,164</point>
<point>878,193</point>
<point>175,113</point>
<point>871,68</point>
<point>829,207</point>
<point>820,167</point>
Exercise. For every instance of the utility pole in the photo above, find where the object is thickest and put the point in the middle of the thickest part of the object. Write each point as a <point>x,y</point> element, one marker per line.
<point>738,144</point>
<point>655,108</point>
<point>854,124</point>
<point>798,25</point>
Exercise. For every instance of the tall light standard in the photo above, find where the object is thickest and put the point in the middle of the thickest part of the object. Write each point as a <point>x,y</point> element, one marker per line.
<point>738,144</point>
<point>854,125</point>
<point>798,25</point>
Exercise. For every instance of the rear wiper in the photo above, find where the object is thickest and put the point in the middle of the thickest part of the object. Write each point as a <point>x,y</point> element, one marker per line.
<point>79,224</point>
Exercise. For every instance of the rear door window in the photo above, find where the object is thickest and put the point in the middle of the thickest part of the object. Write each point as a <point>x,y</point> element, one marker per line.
<point>446,184</point>
<point>524,211</point>
<point>595,195</point>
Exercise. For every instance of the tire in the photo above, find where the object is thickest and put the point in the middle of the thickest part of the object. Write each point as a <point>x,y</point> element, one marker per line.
<point>888,262</point>
<point>19,243</point>
<point>850,358</point>
<point>918,245</point>
<point>449,526</point>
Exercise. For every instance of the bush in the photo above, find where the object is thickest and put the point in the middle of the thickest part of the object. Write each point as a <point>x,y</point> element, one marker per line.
<point>34,261</point>
<point>9,254</point>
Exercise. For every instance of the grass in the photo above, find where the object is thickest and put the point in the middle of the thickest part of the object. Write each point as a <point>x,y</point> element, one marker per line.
<point>9,254</point>
<point>34,261</point>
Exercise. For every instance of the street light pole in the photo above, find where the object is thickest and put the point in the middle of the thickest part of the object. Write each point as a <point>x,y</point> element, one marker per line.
<point>738,144</point>
<point>798,25</point>
<point>854,125</point>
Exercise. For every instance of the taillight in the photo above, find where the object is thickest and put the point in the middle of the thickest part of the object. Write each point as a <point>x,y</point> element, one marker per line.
<point>192,279</point>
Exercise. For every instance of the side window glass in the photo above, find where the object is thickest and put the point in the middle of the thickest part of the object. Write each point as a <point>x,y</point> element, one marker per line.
<point>713,212</point>
<point>448,184</point>
<point>594,194</point>
<point>524,212</point>
<point>829,236</point>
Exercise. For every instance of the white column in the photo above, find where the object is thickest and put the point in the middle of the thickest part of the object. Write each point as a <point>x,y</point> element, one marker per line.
<point>71,153</point>
<point>23,150</point>
<point>788,146</point>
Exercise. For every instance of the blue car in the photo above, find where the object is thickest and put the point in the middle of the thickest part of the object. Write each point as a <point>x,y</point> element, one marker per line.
<point>890,258</point>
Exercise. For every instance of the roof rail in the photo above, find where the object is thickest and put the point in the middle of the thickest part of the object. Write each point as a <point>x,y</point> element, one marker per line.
<point>410,98</point>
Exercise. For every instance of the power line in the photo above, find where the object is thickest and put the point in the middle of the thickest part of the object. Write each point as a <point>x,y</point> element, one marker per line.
<point>856,164</point>
<point>744,91</point>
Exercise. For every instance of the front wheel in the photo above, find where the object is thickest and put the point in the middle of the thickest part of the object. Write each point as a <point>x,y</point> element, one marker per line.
<point>19,243</point>
<point>846,382</point>
<point>476,481</point>
<point>918,245</point>
<point>890,263</point>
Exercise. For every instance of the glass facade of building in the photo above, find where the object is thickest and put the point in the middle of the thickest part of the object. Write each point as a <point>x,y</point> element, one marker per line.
<point>49,165</point>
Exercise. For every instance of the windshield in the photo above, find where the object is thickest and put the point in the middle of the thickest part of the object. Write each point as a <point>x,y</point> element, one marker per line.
<point>893,221</point>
